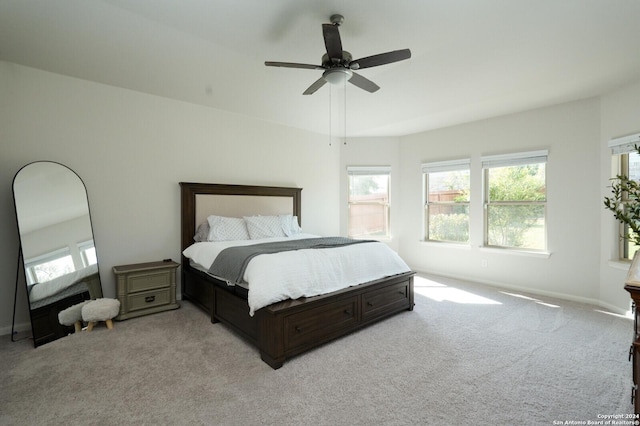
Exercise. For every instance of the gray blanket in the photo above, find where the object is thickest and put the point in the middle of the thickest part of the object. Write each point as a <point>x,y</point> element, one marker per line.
<point>232,262</point>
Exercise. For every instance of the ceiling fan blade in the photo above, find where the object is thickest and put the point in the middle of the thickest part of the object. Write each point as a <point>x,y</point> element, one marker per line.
<point>315,86</point>
<point>332,41</point>
<point>363,83</point>
<point>380,59</point>
<point>293,65</point>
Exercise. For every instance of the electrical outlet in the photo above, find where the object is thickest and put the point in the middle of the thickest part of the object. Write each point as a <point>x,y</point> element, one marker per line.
<point>484,263</point>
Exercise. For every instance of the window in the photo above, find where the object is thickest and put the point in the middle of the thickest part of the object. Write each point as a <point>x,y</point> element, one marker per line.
<point>629,165</point>
<point>515,205</point>
<point>447,190</point>
<point>87,253</point>
<point>369,202</point>
<point>49,266</point>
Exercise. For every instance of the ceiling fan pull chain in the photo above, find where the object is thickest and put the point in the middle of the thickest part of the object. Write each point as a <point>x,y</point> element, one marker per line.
<point>344,141</point>
<point>329,116</point>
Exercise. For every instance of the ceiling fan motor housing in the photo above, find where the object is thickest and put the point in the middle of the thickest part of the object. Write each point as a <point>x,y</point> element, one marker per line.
<point>336,62</point>
<point>338,71</point>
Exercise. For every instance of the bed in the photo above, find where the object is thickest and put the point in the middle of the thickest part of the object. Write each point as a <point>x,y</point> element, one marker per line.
<point>80,281</point>
<point>285,328</point>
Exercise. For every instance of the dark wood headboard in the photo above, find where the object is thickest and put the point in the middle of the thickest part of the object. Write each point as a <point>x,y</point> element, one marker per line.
<point>191,193</point>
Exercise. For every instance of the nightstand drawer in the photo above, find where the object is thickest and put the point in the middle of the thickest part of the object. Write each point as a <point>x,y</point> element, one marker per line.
<point>148,299</point>
<point>148,281</point>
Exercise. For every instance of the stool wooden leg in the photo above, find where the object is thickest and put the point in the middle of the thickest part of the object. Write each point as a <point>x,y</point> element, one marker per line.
<point>78,326</point>
<point>109,324</point>
<point>90,326</point>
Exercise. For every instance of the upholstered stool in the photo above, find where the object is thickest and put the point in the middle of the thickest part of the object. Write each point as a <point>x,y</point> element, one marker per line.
<point>72,316</point>
<point>100,310</point>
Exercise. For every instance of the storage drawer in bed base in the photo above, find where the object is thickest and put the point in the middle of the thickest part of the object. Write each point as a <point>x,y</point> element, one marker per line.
<point>288,328</point>
<point>296,326</point>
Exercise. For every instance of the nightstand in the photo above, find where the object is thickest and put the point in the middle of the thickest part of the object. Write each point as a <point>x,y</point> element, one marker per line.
<point>146,288</point>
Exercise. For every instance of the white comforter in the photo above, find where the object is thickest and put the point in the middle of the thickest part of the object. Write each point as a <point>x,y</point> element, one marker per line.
<point>304,273</point>
<point>56,285</point>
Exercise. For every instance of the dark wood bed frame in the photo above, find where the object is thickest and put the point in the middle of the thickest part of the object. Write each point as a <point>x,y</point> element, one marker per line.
<point>287,328</point>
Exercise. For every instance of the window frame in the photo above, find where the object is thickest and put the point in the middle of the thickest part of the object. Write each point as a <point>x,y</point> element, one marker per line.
<point>513,160</point>
<point>370,171</point>
<point>622,147</point>
<point>626,249</point>
<point>438,167</point>
<point>83,248</point>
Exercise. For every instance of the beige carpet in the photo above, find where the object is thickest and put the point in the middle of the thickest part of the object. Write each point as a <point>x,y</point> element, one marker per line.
<point>467,354</point>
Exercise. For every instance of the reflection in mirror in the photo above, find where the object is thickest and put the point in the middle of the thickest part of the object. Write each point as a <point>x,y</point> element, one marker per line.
<point>56,240</point>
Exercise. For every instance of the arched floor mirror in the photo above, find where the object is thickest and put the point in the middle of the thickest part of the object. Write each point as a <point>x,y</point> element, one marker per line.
<point>57,248</point>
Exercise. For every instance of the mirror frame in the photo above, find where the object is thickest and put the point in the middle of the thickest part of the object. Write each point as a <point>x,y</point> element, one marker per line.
<point>45,327</point>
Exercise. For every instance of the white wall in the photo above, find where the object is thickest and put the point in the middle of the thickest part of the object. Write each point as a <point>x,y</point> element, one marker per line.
<point>571,134</point>
<point>131,150</point>
<point>620,117</point>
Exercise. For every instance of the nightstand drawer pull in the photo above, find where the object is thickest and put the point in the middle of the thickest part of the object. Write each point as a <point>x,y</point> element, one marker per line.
<point>148,299</point>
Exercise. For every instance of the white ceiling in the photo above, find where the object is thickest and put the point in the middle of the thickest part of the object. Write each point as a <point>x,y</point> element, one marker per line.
<point>471,59</point>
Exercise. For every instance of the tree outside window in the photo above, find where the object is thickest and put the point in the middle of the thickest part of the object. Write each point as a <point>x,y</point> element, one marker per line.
<point>515,202</point>
<point>447,201</point>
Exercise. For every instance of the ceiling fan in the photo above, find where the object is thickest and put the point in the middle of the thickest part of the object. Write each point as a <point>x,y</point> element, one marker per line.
<point>338,64</point>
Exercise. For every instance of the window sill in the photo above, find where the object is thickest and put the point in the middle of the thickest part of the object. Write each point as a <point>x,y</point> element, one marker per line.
<point>446,244</point>
<point>381,239</point>
<point>620,264</point>
<point>526,253</point>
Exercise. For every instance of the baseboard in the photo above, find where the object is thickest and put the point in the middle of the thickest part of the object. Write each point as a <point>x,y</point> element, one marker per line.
<point>18,328</point>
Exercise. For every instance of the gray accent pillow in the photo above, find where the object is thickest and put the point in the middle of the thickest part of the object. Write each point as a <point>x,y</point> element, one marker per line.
<point>202,233</point>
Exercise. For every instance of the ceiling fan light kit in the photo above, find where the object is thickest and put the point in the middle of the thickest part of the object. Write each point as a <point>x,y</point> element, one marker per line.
<point>338,65</point>
<point>337,75</point>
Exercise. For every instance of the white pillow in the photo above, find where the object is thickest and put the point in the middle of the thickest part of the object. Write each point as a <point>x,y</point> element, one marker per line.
<point>289,224</point>
<point>227,229</point>
<point>264,227</point>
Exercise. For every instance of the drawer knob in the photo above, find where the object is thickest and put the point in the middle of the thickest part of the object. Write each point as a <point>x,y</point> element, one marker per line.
<point>369,303</point>
<point>347,311</point>
<point>298,329</point>
<point>149,299</point>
